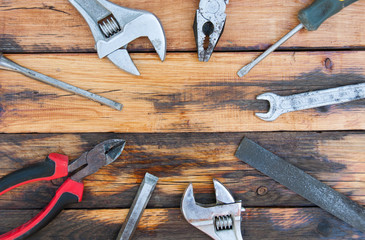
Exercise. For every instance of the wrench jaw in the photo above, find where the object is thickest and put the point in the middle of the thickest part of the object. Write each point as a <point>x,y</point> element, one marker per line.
<point>220,221</point>
<point>122,60</point>
<point>274,111</point>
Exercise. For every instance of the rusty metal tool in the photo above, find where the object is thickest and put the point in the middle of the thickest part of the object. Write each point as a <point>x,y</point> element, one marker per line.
<point>302,101</point>
<point>7,64</point>
<point>57,166</point>
<point>302,183</point>
<point>209,23</point>
<point>311,18</point>
<point>139,204</point>
<point>114,27</point>
<point>221,221</point>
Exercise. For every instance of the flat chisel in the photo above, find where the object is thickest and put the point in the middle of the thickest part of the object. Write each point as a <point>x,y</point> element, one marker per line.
<point>139,204</point>
<point>300,182</point>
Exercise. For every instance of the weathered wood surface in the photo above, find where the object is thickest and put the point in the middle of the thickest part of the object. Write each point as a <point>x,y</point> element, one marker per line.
<point>335,158</point>
<point>257,223</point>
<point>55,26</point>
<point>211,98</point>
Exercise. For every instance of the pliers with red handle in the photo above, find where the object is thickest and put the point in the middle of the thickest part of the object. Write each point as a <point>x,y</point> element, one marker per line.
<point>57,166</point>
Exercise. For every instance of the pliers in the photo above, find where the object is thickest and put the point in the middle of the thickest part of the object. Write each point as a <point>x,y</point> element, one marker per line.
<point>209,23</point>
<point>57,166</point>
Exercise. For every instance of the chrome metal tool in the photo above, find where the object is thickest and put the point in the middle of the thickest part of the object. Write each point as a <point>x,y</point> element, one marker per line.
<point>7,64</point>
<point>221,221</point>
<point>139,204</point>
<point>113,27</point>
<point>209,23</point>
<point>284,104</point>
<point>302,183</point>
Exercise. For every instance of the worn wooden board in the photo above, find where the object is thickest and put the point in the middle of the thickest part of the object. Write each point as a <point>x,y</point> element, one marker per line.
<point>335,158</point>
<point>55,26</point>
<point>211,98</point>
<point>257,223</point>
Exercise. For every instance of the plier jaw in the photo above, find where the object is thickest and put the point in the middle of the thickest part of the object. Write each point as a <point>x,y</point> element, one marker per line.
<point>209,23</point>
<point>101,155</point>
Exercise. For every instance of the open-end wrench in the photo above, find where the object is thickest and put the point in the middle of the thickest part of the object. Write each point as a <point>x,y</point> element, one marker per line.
<point>113,27</point>
<point>7,64</point>
<point>284,104</point>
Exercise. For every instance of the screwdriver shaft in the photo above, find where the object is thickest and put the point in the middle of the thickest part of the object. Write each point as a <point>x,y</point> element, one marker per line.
<point>246,69</point>
<point>7,64</point>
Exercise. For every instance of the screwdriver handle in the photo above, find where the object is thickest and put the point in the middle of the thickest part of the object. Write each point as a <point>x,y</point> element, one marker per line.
<point>320,10</point>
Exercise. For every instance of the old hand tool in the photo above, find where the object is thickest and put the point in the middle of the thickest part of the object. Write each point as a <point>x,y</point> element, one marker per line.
<point>305,185</point>
<point>284,104</point>
<point>57,166</point>
<point>7,64</point>
<point>209,23</point>
<point>311,18</point>
<point>221,221</point>
<point>139,204</point>
<point>113,27</point>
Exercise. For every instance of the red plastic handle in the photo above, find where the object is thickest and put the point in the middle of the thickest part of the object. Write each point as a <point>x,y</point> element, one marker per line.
<point>55,166</point>
<point>70,192</point>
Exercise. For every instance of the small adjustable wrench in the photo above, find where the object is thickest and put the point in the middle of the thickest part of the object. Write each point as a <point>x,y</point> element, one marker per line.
<point>113,27</point>
<point>285,104</point>
<point>221,221</point>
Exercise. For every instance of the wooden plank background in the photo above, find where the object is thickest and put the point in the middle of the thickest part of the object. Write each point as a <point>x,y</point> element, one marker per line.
<point>182,120</point>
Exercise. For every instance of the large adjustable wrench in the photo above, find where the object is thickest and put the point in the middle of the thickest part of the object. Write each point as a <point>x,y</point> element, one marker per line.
<point>221,221</point>
<point>113,27</point>
<point>285,104</point>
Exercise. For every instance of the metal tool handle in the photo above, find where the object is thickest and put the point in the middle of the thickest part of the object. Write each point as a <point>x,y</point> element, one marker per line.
<point>7,64</point>
<point>321,98</point>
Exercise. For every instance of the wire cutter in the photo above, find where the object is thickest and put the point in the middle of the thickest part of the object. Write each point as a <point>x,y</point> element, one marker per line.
<point>209,23</point>
<point>57,166</point>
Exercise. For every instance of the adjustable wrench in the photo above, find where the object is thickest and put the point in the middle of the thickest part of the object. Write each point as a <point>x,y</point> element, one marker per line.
<point>113,27</point>
<point>284,104</point>
<point>221,221</point>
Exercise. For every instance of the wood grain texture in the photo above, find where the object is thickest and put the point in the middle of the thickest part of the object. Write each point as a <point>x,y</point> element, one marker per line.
<point>257,223</point>
<point>180,95</point>
<point>336,158</point>
<point>55,26</point>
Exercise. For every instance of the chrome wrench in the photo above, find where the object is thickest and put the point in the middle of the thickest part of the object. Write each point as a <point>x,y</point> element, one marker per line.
<point>284,104</point>
<point>220,221</point>
<point>7,64</point>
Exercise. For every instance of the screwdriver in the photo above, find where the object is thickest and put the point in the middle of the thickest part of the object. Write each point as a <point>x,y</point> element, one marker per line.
<point>311,18</point>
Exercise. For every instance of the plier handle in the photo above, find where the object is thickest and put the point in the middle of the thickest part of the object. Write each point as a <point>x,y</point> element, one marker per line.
<point>57,166</point>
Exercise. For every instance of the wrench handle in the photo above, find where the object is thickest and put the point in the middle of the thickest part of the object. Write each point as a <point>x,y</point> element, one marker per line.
<point>322,98</point>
